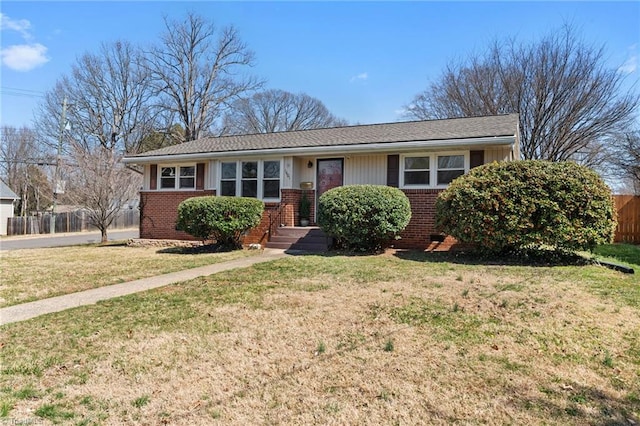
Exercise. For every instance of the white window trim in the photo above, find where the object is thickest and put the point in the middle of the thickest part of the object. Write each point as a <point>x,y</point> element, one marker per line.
<point>433,168</point>
<point>260,177</point>
<point>176,179</point>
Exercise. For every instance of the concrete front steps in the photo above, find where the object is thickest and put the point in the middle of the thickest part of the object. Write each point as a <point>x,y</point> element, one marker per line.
<point>303,238</point>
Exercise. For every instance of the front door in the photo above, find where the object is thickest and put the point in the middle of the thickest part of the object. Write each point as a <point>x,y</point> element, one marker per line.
<point>330,174</point>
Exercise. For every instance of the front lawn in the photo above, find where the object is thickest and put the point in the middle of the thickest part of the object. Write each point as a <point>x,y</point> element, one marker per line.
<point>625,253</point>
<point>35,274</point>
<point>399,338</point>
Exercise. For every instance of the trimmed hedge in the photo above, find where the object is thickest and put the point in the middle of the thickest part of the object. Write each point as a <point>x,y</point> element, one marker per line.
<point>222,219</point>
<point>363,217</point>
<point>522,204</point>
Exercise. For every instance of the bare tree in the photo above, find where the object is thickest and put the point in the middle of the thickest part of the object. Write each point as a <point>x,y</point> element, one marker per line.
<point>277,111</point>
<point>109,101</point>
<point>568,101</point>
<point>101,184</point>
<point>625,159</point>
<point>162,138</point>
<point>22,167</point>
<point>196,72</point>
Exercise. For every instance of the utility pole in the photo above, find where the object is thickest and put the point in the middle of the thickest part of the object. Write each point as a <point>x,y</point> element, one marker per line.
<point>63,120</point>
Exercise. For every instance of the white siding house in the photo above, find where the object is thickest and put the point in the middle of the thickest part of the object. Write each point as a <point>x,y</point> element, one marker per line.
<point>7,199</point>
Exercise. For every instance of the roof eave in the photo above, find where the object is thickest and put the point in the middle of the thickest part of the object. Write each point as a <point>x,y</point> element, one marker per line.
<point>329,149</point>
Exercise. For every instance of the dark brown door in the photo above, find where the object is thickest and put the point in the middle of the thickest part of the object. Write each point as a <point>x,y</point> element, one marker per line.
<point>330,174</point>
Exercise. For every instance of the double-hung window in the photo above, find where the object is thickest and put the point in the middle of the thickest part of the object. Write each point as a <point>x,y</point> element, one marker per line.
<point>168,177</point>
<point>432,170</point>
<point>257,179</point>
<point>187,177</point>
<point>178,177</point>
<point>271,179</point>
<point>250,179</point>
<point>449,168</point>
<point>417,171</point>
<point>228,179</point>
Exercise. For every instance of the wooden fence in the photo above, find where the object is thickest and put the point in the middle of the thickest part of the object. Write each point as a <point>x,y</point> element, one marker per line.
<point>628,207</point>
<point>67,222</point>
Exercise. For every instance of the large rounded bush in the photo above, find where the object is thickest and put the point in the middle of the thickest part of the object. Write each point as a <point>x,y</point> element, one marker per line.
<point>521,204</point>
<point>222,219</point>
<point>363,217</point>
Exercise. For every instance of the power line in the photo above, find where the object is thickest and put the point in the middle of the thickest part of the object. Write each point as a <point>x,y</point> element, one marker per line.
<point>26,93</point>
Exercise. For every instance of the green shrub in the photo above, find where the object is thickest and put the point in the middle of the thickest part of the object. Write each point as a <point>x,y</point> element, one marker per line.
<point>304,209</point>
<point>517,205</point>
<point>363,217</point>
<point>222,219</point>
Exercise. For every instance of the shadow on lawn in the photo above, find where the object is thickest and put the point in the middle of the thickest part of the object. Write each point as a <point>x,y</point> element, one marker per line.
<point>543,258</point>
<point>521,258</point>
<point>199,249</point>
<point>584,404</point>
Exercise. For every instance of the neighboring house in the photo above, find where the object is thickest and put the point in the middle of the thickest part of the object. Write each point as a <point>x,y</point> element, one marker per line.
<point>419,157</point>
<point>7,199</point>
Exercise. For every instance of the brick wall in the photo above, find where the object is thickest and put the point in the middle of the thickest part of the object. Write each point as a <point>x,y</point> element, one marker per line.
<point>260,234</point>
<point>291,199</point>
<point>417,235</point>
<point>159,211</point>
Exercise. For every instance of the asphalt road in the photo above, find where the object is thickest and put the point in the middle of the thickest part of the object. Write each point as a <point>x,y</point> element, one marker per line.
<point>59,240</point>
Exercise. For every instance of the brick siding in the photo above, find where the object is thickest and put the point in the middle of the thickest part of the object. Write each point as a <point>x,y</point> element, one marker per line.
<point>417,235</point>
<point>291,199</point>
<point>159,211</point>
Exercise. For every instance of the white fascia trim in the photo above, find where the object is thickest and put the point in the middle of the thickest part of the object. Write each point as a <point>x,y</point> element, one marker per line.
<point>323,150</point>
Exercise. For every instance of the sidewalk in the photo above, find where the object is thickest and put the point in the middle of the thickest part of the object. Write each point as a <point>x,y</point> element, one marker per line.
<point>30,310</point>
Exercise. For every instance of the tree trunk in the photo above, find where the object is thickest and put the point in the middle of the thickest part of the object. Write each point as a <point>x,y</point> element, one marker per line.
<point>104,235</point>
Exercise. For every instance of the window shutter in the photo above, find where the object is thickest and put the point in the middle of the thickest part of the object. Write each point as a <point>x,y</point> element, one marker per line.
<point>200,176</point>
<point>393,170</point>
<point>476,158</point>
<point>153,178</point>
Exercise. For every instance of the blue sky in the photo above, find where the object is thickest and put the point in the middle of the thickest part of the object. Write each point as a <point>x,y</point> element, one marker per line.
<point>363,60</point>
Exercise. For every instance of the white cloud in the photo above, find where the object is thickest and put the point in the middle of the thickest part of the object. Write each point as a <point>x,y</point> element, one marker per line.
<point>24,57</point>
<point>361,76</point>
<point>631,64</point>
<point>21,57</point>
<point>20,25</point>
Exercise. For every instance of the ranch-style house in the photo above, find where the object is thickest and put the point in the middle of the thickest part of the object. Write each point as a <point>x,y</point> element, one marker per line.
<point>419,157</point>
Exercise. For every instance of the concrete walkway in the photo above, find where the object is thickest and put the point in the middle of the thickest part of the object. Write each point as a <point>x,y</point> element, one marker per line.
<point>30,310</point>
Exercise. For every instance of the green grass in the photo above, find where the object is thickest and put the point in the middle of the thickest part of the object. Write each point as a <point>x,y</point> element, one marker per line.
<point>35,274</point>
<point>446,325</point>
<point>500,343</point>
<point>141,401</point>
<point>54,413</point>
<point>626,253</point>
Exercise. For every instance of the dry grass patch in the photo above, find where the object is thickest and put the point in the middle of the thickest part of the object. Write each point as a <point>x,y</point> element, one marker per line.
<point>33,274</point>
<point>340,340</point>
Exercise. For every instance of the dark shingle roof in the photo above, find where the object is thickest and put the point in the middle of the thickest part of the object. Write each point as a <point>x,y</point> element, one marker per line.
<point>448,129</point>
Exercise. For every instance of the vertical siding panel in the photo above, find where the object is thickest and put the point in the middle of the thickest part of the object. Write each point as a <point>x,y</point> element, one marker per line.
<point>497,154</point>
<point>211,175</point>
<point>365,169</point>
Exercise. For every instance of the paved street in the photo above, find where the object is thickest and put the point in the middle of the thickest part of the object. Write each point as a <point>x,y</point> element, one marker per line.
<point>59,240</point>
